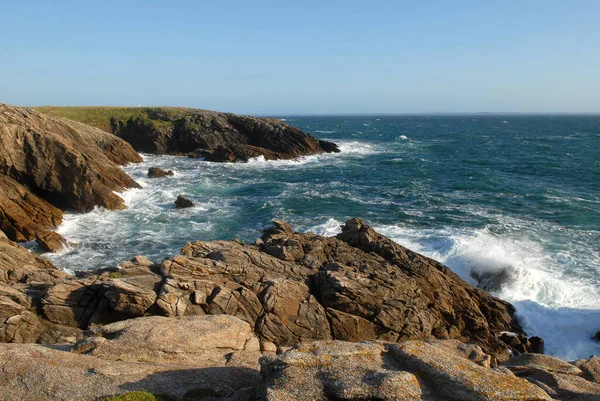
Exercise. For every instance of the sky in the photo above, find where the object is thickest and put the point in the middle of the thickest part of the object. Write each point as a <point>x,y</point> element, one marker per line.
<point>304,57</point>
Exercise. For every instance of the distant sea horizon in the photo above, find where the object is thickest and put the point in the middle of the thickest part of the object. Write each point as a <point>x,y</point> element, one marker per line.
<point>484,193</point>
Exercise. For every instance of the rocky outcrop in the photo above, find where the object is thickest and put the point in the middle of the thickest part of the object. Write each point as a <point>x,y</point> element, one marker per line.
<point>414,370</point>
<point>561,380</point>
<point>292,288</point>
<point>157,172</point>
<point>19,266</point>
<point>22,213</point>
<point>51,241</point>
<point>182,202</point>
<point>219,137</point>
<point>192,358</point>
<point>48,164</point>
<point>69,164</point>
<point>229,304</point>
<point>24,278</point>
<point>219,358</point>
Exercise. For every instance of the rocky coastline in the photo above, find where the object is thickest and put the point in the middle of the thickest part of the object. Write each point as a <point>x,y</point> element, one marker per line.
<point>215,136</point>
<point>292,316</point>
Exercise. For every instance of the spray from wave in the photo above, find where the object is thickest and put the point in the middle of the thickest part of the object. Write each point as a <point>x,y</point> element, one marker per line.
<point>561,309</point>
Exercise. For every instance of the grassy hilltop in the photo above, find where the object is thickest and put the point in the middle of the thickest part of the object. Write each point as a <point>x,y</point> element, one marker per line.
<point>99,116</point>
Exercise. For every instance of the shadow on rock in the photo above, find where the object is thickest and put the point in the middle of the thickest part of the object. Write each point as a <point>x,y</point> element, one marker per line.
<point>206,384</point>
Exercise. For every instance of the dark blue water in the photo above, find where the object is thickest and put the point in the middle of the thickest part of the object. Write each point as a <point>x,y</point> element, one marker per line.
<point>479,193</point>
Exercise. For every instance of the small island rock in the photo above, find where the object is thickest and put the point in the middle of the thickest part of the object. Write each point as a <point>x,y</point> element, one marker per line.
<point>183,202</point>
<point>157,172</point>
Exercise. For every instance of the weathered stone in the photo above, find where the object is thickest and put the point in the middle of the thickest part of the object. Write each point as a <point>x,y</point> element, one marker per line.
<point>441,370</point>
<point>157,172</point>
<point>545,362</point>
<point>17,323</point>
<point>219,137</point>
<point>462,379</point>
<point>32,372</point>
<point>560,386</point>
<point>560,379</point>
<point>334,370</point>
<point>70,164</point>
<point>190,340</point>
<point>51,241</point>
<point>295,287</point>
<point>183,202</point>
<point>22,213</point>
<point>133,295</point>
<point>590,368</point>
<point>17,264</point>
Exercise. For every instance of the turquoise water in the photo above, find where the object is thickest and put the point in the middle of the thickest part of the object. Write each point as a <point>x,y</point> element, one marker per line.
<point>478,193</point>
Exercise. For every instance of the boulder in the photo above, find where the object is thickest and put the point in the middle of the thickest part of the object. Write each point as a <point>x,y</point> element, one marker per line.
<point>519,343</point>
<point>17,323</point>
<point>183,202</point>
<point>51,241</point>
<point>157,172</point>
<point>195,358</point>
<point>590,368</point>
<point>18,265</point>
<point>545,362</point>
<point>96,300</point>
<point>560,379</point>
<point>190,340</point>
<point>23,213</point>
<point>292,288</point>
<point>414,370</point>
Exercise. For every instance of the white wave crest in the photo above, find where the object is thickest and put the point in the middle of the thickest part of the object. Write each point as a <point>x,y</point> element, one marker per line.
<point>329,228</point>
<point>563,310</point>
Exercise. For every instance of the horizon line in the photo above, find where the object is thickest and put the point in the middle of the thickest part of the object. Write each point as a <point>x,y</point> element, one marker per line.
<point>350,114</point>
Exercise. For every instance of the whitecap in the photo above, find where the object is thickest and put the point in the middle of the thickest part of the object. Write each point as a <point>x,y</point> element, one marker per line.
<point>329,228</point>
<point>560,308</point>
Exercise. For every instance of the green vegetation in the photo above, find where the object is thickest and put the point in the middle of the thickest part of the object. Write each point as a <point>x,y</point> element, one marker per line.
<point>137,396</point>
<point>99,117</point>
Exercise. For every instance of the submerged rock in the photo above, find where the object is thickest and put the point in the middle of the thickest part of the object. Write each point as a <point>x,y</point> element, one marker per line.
<point>183,202</point>
<point>157,172</point>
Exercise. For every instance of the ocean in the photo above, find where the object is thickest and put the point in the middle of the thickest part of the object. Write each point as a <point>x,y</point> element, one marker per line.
<point>481,194</point>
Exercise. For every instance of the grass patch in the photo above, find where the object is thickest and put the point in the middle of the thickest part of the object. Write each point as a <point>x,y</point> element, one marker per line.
<point>139,396</point>
<point>99,116</point>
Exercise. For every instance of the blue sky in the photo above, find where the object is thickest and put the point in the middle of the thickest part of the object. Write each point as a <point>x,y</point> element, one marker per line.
<point>278,57</point>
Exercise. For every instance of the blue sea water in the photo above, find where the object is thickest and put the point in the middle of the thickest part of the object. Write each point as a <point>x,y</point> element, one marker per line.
<point>479,193</point>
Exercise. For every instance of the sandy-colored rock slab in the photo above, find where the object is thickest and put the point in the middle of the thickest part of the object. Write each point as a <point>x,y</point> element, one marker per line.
<point>461,379</point>
<point>201,340</point>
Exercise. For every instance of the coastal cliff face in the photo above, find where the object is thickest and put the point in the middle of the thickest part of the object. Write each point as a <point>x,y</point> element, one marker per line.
<point>47,165</point>
<point>218,137</point>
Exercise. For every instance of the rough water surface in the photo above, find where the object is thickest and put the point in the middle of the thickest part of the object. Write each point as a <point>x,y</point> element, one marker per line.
<point>508,202</point>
